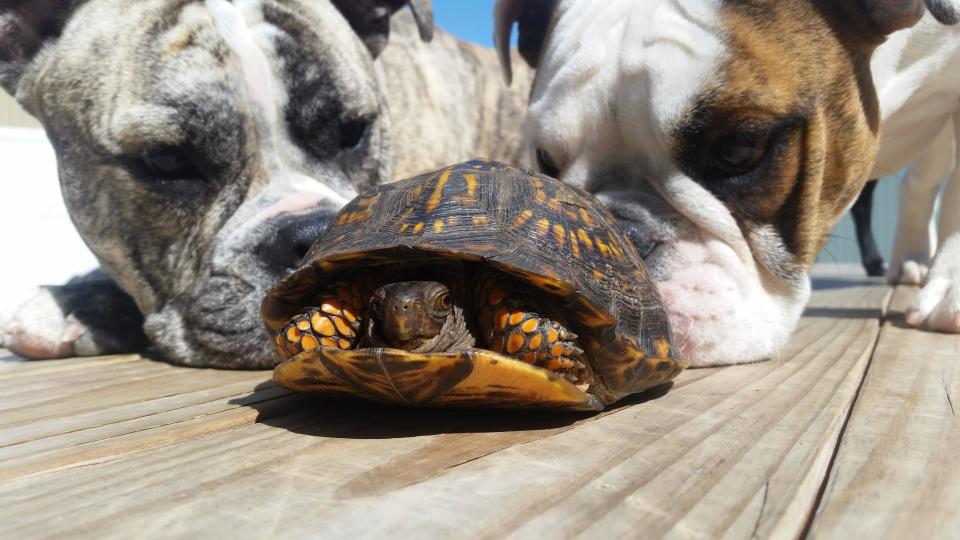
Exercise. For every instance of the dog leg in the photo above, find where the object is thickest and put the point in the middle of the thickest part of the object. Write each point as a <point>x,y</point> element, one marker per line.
<point>937,305</point>
<point>88,316</point>
<point>862,213</point>
<point>915,242</point>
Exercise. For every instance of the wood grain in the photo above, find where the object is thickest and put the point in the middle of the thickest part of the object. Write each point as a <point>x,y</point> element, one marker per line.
<point>897,472</point>
<point>737,452</point>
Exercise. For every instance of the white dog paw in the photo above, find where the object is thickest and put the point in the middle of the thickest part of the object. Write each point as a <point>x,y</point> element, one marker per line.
<point>39,329</point>
<point>908,273</point>
<point>936,307</point>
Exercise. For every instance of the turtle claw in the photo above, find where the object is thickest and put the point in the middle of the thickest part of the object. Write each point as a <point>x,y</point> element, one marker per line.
<point>564,334</point>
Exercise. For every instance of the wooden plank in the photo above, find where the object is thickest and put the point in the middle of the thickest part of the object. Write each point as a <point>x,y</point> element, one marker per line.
<point>740,450</point>
<point>111,388</point>
<point>897,473</point>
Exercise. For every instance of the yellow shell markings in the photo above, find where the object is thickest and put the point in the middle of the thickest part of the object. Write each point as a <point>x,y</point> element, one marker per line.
<point>434,201</point>
<point>663,347</point>
<point>480,220</point>
<point>367,202</point>
<point>522,218</point>
<point>574,245</point>
<point>559,234</point>
<point>587,218</point>
<point>471,180</point>
<point>543,226</point>
<point>417,228</point>
<point>602,248</point>
<point>438,226</point>
<point>585,238</point>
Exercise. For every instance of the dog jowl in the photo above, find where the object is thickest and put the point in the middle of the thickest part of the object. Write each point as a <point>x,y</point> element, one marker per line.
<point>202,145</point>
<point>728,137</point>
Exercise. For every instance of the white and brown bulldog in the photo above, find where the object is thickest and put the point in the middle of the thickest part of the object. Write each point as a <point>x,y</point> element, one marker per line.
<point>917,75</point>
<point>203,145</point>
<point>728,137</point>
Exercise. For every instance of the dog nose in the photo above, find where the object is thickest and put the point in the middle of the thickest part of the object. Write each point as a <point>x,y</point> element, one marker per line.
<point>645,243</point>
<point>293,238</point>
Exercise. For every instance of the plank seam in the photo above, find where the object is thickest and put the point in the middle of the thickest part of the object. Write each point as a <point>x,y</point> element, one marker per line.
<point>811,517</point>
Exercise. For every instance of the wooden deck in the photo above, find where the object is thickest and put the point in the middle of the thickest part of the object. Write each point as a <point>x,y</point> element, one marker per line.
<point>850,433</point>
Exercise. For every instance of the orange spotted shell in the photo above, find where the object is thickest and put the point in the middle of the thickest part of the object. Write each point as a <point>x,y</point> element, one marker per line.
<point>550,235</point>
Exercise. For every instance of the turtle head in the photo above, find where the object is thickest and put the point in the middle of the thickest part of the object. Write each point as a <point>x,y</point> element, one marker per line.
<point>408,314</point>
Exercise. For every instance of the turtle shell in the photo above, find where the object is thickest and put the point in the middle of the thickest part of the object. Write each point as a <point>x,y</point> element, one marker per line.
<point>550,235</point>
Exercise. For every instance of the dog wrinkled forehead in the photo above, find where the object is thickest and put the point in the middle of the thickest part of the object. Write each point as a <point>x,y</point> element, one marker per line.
<point>640,68</point>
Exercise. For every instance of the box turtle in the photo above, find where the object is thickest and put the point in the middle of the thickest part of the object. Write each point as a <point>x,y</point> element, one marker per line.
<point>477,285</point>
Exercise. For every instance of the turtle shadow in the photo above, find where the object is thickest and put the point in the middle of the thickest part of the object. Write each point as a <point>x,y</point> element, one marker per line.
<point>342,418</point>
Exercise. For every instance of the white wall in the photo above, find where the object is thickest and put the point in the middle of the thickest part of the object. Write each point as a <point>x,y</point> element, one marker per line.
<point>38,244</point>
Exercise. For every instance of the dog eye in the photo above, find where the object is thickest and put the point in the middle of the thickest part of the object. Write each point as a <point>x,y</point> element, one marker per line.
<point>547,164</point>
<point>168,164</point>
<point>354,132</point>
<point>739,153</point>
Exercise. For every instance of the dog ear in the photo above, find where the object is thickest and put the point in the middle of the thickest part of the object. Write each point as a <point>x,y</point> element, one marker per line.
<point>370,19</point>
<point>25,27</point>
<point>891,15</point>
<point>534,18</point>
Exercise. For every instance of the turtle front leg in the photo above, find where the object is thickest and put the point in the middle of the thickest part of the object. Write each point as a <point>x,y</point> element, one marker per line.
<point>512,328</point>
<point>335,322</point>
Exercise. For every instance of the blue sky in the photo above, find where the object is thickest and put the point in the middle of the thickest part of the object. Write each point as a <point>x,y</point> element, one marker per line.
<point>467,19</point>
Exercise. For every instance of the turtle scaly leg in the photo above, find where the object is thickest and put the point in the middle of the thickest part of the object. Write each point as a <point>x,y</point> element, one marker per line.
<point>510,327</point>
<point>334,322</point>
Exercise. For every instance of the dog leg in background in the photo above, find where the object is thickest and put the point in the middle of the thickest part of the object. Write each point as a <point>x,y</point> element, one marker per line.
<point>915,242</point>
<point>862,213</point>
<point>88,316</point>
<point>937,305</point>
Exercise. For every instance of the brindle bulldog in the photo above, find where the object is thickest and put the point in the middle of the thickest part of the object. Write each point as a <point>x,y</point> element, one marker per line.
<point>203,145</point>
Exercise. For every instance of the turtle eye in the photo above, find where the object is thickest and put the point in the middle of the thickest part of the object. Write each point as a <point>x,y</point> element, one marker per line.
<point>547,164</point>
<point>443,302</point>
<point>739,153</point>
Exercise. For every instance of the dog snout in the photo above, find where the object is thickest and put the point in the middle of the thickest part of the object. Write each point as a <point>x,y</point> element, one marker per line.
<point>645,242</point>
<point>293,238</point>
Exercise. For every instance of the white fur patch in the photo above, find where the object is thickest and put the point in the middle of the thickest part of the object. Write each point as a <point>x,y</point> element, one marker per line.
<point>243,28</point>
<point>613,84</point>
<point>937,305</point>
<point>625,71</point>
<point>39,329</point>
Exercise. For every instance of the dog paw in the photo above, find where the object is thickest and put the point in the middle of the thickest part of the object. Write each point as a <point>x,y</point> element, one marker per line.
<point>875,267</point>
<point>38,329</point>
<point>908,273</point>
<point>936,307</point>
